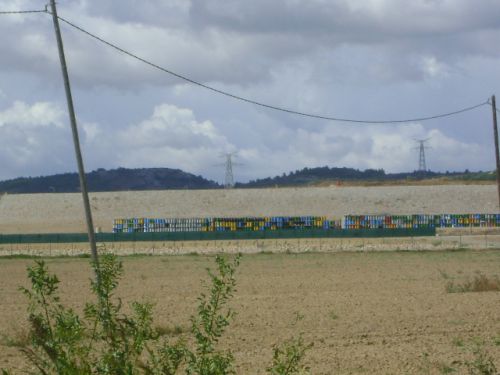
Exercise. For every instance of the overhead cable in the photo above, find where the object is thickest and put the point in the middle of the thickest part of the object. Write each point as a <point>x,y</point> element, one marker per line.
<point>254,102</point>
<point>491,105</point>
<point>276,108</point>
<point>23,11</point>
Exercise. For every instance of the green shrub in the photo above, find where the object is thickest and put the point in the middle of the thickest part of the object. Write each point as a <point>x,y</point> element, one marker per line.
<point>106,341</point>
<point>287,358</point>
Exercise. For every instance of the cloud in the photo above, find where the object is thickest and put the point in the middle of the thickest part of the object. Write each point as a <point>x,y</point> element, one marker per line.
<point>392,148</point>
<point>34,140</point>
<point>242,42</point>
<point>38,142</point>
<point>171,137</point>
<point>38,114</point>
<point>370,59</point>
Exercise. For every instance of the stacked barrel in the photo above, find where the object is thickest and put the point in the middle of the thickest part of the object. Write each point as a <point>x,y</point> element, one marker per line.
<point>272,223</point>
<point>225,224</point>
<point>158,225</point>
<point>132,225</point>
<point>421,221</point>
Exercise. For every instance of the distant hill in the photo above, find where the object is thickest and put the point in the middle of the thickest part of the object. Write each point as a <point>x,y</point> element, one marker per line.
<point>165,178</point>
<point>315,176</point>
<point>110,180</point>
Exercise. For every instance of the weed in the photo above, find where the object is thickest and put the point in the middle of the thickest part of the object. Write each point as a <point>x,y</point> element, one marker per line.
<point>20,339</point>
<point>482,364</point>
<point>443,274</point>
<point>425,364</point>
<point>480,283</point>
<point>333,315</point>
<point>297,317</point>
<point>445,369</point>
<point>287,358</point>
<point>457,341</point>
<point>175,330</point>
<point>496,341</point>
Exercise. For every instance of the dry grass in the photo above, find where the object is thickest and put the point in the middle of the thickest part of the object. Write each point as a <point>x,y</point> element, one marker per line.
<point>480,283</point>
<point>170,330</point>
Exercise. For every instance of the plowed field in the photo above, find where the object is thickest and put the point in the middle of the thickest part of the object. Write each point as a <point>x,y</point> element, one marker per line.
<point>369,312</point>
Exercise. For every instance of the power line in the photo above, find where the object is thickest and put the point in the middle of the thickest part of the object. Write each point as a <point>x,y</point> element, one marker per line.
<point>322,117</point>
<point>254,102</point>
<point>23,11</point>
<point>491,104</point>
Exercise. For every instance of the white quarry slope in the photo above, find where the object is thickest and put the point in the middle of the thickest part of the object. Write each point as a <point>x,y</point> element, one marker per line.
<point>58,212</point>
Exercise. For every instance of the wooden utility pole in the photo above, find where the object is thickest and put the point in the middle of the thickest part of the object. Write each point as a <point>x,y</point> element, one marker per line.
<point>495,134</point>
<point>76,142</point>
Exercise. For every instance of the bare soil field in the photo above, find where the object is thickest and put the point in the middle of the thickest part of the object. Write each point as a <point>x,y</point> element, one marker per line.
<point>50,213</point>
<point>365,312</point>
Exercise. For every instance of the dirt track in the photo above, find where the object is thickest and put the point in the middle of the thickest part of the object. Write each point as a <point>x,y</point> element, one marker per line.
<point>373,313</point>
<point>41,213</point>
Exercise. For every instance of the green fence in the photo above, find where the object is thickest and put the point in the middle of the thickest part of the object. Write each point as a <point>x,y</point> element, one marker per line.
<point>211,236</point>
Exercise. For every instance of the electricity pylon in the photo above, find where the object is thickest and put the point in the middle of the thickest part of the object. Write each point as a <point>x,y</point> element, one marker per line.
<point>422,166</point>
<point>229,178</point>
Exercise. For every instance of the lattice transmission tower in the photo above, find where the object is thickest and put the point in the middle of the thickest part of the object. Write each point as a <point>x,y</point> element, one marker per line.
<point>229,178</point>
<point>422,166</point>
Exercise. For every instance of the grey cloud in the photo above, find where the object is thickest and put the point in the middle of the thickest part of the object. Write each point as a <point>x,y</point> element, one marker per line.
<point>353,19</point>
<point>35,142</point>
<point>242,42</point>
<point>174,137</point>
<point>166,14</point>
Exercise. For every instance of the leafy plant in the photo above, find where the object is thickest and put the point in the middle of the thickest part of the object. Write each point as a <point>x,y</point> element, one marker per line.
<point>287,358</point>
<point>106,341</point>
<point>211,322</point>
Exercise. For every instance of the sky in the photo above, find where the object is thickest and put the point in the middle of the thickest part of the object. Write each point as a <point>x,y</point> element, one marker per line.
<point>358,59</point>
